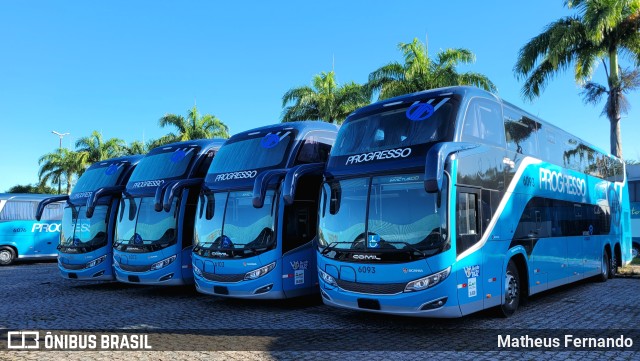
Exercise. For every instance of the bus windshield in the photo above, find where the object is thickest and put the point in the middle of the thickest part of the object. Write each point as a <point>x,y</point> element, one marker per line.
<point>393,128</point>
<point>236,223</point>
<point>79,231</point>
<point>264,151</point>
<point>98,177</point>
<point>401,215</point>
<point>167,163</point>
<point>140,225</point>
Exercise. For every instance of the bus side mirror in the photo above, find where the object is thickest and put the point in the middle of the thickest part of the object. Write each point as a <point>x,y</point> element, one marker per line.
<point>99,193</point>
<point>45,202</point>
<point>436,161</point>
<point>159,196</point>
<point>294,175</point>
<point>262,182</point>
<point>171,191</point>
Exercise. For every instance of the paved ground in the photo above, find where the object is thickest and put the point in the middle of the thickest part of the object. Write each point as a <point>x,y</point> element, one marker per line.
<point>34,297</point>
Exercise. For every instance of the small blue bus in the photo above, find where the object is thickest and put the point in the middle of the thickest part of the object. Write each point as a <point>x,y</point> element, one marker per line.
<point>449,201</point>
<point>257,214</point>
<point>85,251</point>
<point>21,235</point>
<point>154,230</point>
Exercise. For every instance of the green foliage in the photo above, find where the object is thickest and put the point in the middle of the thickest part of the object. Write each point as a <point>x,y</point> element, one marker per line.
<point>193,127</point>
<point>98,149</point>
<point>420,72</point>
<point>62,165</point>
<point>599,33</point>
<point>325,100</point>
<point>30,188</point>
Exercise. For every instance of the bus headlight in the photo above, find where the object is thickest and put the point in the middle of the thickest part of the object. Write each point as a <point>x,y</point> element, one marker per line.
<point>95,262</point>
<point>426,282</point>
<point>164,263</point>
<point>196,270</point>
<point>259,272</point>
<point>327,278</point>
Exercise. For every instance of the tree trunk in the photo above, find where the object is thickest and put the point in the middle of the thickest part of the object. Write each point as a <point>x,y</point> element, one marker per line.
<point>613,104</point>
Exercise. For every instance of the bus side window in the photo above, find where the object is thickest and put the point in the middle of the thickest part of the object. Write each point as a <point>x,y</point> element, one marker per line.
<point>16,210</point>
<point>315,149</point>
<point>52,212</point>
<point>483,123</point>
<point>468,232</point>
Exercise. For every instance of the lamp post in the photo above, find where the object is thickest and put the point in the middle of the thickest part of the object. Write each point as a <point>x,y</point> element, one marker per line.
<point>60,135</point>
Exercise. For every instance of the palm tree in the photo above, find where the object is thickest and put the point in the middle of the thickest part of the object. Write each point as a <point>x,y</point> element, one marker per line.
<point>194,127</point>
<point>63,164</point>
<point>136,147</point>
<point>600,32</point>
<point>420,72</point>
<point>325,100</point>
<point>98,149</point>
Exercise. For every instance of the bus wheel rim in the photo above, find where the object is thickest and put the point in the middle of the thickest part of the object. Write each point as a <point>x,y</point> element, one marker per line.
<point>512,288</point>
<point>5,256</point>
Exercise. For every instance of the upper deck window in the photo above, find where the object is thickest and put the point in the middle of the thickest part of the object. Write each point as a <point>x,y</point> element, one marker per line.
<point>397,127</point>
<point>169,162</point>
<point>263,150</point>
<point>99,176</point>
<point>483,122</point>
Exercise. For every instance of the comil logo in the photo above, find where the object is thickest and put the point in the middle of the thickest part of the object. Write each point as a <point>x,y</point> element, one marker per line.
<point>562,183</point>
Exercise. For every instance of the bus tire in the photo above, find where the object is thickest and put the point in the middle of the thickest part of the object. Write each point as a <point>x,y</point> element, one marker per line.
<point>605,267</point>
<point>512,290</point>
<point>7,256</point>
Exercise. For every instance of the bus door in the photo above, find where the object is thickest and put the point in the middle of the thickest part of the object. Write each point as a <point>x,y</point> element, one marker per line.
<point>299,228</point>
<point>47,231</point>
<point>468,232</point>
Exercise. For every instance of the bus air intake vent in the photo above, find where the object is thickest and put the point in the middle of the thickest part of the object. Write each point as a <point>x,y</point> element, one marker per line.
<point>368,304</point>
<point>223,277</point>
<point>132,268</point>
<point>73,267</point>
<point>372,288</point>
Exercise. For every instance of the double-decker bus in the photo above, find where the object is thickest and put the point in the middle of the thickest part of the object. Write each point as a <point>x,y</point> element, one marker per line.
<point>257,215</point>
<point>449,201</point>
<point>85,250</point>
<point>154,229</point>
<point>24,237</point>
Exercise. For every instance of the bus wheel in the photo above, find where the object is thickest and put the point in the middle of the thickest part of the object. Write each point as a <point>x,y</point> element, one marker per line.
<point>511,290</point>
<point>7,256</point>
<point>604,267</point>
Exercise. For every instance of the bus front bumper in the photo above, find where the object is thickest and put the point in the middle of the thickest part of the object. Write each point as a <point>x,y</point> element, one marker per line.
<point>170,275</point>
<point>266,287</point>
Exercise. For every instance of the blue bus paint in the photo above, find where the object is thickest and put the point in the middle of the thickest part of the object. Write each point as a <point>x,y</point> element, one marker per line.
<point>257,217</point>
<point>22,236</point>
<point>474,207</point>
<point>154,231</point>
<point>85,250</point>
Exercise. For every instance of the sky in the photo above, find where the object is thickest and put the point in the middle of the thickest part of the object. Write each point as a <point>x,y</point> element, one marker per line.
<point>118,66</point>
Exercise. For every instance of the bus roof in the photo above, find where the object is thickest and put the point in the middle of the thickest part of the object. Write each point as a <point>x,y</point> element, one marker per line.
<point>466,92</point>
<point>24,196</point>
<point>302,128</point>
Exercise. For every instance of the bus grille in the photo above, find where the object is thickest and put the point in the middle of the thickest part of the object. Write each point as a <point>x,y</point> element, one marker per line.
<point>223,277</point>
<point>132,268</point>
<point>372,288</point>
<point>73,267</point>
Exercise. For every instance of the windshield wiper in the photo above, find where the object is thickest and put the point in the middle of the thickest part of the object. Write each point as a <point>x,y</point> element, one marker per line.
<point>408,245</point>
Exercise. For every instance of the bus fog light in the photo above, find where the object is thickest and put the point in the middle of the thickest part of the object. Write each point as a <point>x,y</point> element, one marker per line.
<point>164,263</point>
<point>252,275</point>
<point>426,282</point>
<point>327,278</point>
<point>95,262</point>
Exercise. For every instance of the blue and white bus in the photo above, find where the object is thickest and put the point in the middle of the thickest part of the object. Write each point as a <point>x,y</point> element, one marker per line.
<point>21,235</point>
<point>257,214</point>
<point>85,251</point>
<point>154,231</point>
<point>449,201</point>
